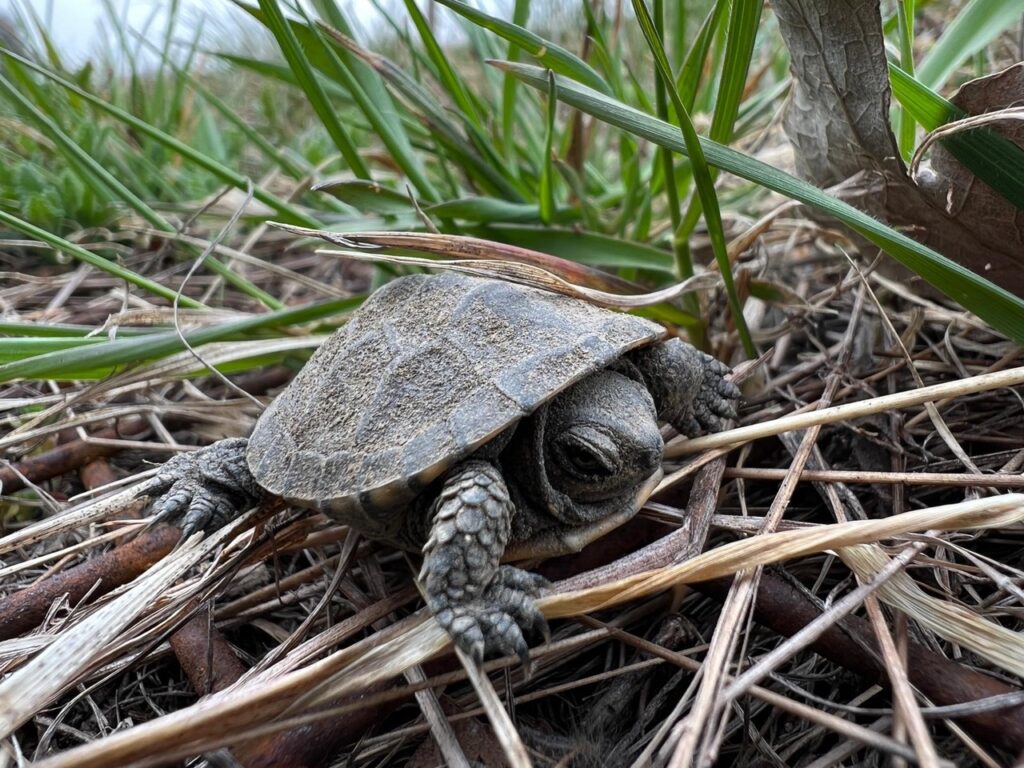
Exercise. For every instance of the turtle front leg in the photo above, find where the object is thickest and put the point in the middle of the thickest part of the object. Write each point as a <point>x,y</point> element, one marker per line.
<point>206,488</point>
<point>483,605</point>
<point>689,387</point>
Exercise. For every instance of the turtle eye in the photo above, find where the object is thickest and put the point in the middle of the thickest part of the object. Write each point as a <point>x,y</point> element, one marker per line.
<point>588,453</point>
<point>587,462</point>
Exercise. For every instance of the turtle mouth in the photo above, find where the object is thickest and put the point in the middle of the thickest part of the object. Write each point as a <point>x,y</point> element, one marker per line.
<point>647,489</point>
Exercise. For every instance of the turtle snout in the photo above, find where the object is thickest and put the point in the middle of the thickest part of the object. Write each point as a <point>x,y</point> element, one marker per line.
<point>654,457</point>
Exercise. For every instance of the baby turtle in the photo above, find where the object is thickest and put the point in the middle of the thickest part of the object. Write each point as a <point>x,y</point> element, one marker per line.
<point>470,419</point>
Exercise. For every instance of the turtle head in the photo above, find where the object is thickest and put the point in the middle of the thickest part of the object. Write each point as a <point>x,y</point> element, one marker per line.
<point>600,445</point>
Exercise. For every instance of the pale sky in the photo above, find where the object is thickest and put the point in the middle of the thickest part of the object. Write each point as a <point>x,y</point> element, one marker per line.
<point>75,25</point>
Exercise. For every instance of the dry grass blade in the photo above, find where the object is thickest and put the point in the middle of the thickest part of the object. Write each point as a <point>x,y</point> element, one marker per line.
<point>461,248</point>
<point>906,706</point>
<point>537,277</point>
<point>508,736</point>
<point>1014,377</point>
<point>75,651</point>
<point>75,517</point>
<point>730,558</point>
<point>998,644</point>
<point>415,640</point>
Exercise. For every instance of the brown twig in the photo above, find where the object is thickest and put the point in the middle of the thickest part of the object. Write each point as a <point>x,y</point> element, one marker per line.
<point>70,455</point>
<point>24,610</point>
<point>205,655</point>
<point>851,643</point>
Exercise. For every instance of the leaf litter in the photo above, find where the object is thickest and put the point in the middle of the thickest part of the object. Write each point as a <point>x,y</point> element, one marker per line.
<point>104,659</point>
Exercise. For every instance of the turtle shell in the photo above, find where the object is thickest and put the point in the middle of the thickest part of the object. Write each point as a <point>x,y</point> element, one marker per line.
<point>428,369</point>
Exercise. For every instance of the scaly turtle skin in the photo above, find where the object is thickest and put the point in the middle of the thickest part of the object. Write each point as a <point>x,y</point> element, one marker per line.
<point>468,418</point>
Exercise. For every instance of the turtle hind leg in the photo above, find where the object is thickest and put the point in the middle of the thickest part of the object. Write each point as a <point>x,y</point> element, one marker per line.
<point>484,606</point>
<point>689,387</point>
<point>206,488</point>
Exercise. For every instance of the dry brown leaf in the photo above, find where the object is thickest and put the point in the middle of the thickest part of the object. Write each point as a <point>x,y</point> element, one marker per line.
<point>992,217</point>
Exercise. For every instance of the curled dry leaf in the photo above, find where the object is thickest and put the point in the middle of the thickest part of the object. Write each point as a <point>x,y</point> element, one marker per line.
<point>485,258</point>
<point>538,277</point>
<point>993,218</point>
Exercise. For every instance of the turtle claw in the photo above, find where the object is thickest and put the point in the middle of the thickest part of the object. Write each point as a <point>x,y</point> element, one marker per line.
<point>495,622</point>
<point>716,400</point>
<point>205,489</point>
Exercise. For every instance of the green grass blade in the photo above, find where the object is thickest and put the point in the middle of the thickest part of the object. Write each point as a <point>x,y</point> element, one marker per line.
<point>998,307</point>
<point>388,127</point>
<point>274,21</point>
<point>588,248</point>
<point>684,263</point>
<point>451,82</point>
<point>688,80</point>
<point>701,176</point>
<point>546,189</point>
<point>550,54</point>
<point>974,27</point>
<point>109,186</point>
<point>739,48</point>
<point>369,81</point>
<point>510,115</point>
<point>368,196</point>
<point>487,210</point>
<point>94,259</point>
<point>60,330</point>
<point>905,125</point>
<point>282,208</point>
<point>12,350</point>
<point>476,156</point>
<point>988,155</point>
<point>100,359</point>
